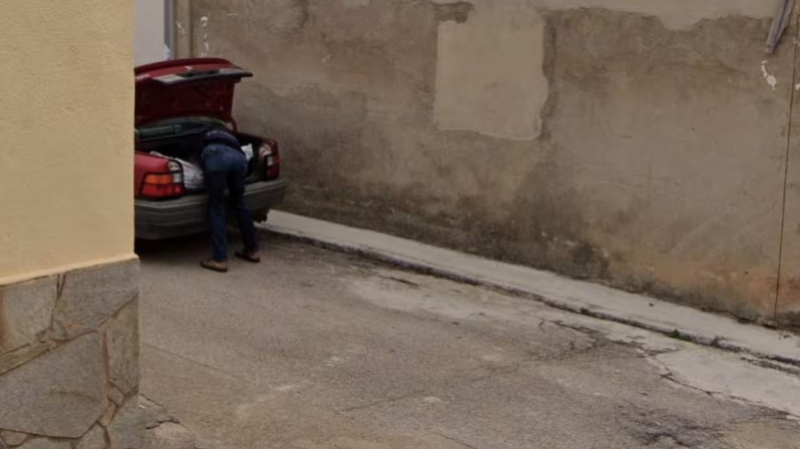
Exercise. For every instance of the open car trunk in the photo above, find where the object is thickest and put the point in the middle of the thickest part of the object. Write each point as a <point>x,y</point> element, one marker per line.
<point>178,101</point>
<point>183,139</point>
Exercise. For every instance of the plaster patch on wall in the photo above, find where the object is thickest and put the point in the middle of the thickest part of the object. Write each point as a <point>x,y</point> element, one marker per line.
<point>352,4</point>
<point>489,75</point>
<point>457,11</point>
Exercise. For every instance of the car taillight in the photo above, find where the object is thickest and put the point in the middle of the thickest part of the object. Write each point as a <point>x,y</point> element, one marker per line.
<point>164,185</point>
<point>271,159</point>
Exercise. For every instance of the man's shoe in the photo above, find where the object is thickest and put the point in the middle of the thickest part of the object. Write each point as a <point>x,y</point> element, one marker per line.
<point>251,257</point>
<point>215,265</point>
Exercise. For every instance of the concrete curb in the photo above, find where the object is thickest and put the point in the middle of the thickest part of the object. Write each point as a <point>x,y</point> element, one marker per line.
<point>559,292</point>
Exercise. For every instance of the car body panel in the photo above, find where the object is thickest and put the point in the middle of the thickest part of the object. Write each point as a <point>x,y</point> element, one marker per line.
<point>185,88</point>
<point>156,220</point>
<point>143,165</point>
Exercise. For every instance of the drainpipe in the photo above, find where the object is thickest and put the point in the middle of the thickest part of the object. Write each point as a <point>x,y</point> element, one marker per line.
<point>779,25</point>
<point>170,39</point>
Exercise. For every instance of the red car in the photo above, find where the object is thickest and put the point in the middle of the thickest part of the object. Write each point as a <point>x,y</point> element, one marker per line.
<point>176,103</point>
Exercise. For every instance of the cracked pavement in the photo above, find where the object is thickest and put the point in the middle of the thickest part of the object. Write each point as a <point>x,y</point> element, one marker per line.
<point>317,349</point>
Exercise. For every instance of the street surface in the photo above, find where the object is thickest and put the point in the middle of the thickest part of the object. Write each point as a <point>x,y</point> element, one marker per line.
<point>315,349</point>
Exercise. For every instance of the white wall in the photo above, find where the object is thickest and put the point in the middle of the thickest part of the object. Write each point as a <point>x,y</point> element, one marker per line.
<point>149,32</point>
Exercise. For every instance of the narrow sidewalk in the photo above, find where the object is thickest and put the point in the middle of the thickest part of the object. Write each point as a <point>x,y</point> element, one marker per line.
<point>557,291</point>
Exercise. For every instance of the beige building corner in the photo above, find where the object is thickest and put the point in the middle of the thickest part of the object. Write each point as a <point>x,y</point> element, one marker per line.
<point>641,144</point>
<point>68,275</point>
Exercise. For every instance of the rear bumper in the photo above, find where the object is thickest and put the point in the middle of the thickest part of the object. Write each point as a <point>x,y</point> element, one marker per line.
<point>156,220</point>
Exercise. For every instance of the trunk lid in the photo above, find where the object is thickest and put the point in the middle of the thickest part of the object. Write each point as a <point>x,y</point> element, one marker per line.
<point>201,87</point>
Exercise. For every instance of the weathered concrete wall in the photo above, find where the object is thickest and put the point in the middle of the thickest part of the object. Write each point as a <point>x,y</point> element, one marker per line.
<point>642,144</point>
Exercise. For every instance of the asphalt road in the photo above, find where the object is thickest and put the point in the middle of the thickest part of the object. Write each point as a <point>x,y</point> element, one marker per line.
<point>314,349</point>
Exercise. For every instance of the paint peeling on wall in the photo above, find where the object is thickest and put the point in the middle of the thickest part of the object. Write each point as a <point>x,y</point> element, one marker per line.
<point>772,81</point>
<point>206,47</point>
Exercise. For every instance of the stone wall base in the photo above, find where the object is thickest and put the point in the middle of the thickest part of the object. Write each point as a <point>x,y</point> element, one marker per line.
<point>69,360</point>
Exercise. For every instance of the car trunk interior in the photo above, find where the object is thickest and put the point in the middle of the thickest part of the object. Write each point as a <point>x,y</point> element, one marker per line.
<point>185,141</point>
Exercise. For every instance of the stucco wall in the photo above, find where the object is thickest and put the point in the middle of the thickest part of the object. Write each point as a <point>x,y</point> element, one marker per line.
<point>641,144</point>
<point>66,163</point>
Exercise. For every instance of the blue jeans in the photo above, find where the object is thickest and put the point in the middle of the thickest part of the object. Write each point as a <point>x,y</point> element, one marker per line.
<point>225,169</point>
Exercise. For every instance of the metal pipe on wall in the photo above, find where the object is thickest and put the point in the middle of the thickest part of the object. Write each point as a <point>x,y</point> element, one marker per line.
<point>779,25</point>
